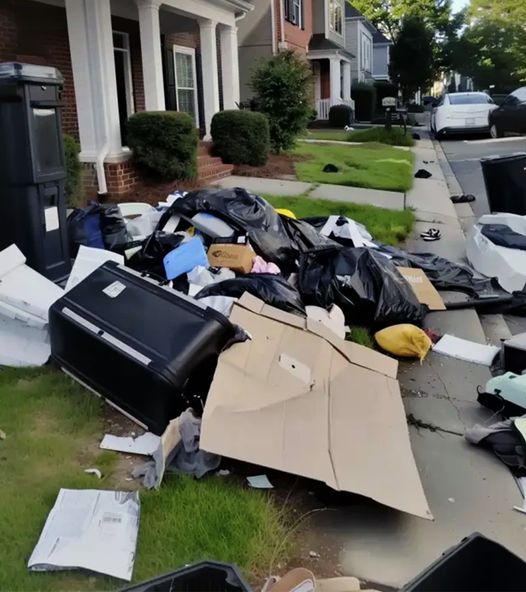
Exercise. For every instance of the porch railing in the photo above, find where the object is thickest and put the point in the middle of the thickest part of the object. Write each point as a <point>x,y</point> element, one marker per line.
<point>323,106</point>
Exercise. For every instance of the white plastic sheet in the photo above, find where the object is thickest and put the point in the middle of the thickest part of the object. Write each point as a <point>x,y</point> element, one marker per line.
<point>87,261</point>
<point>468,351</point>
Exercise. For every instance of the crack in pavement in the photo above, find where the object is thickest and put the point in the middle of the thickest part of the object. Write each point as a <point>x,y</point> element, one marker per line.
<point>420,424</point>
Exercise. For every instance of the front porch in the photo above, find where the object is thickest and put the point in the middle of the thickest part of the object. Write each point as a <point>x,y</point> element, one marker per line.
<point>332,81</point>
<point>187,61</point>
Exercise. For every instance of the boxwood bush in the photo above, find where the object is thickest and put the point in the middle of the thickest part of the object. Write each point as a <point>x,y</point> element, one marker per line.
<point>71,158</point>
<point>164,143</point>
<point>340,115</point>
<point>241,137</point>
<point>364,96</point>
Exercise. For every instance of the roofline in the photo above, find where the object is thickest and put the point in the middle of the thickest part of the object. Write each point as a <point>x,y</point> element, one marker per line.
<point>244,5</point>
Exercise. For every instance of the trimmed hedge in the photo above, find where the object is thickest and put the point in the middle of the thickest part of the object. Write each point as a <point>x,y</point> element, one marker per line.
<point>340,115</point>
<point>364,96</point>
<point>384,89</point>
<point>241,137</point>
<point>71,160</point>
<point>164,143</point>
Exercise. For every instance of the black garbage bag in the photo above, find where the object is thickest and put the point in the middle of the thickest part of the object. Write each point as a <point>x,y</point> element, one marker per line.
<point>84,228</point>
<point>113,228</point>
<point>154,248</point>
<point>362,282</point>
<point>272,289</point>
<point>247,213</point>
<point>304,235</point>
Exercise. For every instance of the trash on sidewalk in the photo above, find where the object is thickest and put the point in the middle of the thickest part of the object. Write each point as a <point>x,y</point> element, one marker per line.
<point>90,529</point>
<point>475,564</point>
<point>184,258</point>
<point>94,471</point>
<point>200,277</point>
<point>495,246</point>
<point>147,349</point>
<point>514,354</point>
<point>87,261</point>
<point>468,351</point>
<point>505,394</point>
<point>333,319</point>
<point>144,445</point>
<point>405,340</point>
<point>362,282</point>
<point>292,380</point>
<point>261,266</point>
<point>422,287</point>
<point>430,235</point>
<point>238,258</point>
<point>463,198</point>
<point>260,482</point>
<point>205,575</point>
<point>422,174</point>
<point>352,233</point>
<point>212,226</point>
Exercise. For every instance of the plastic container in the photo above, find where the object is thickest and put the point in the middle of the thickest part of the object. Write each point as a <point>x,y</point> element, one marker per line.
<point>505,180</point>
<point>476,564</point>
<point>184,258</point>
<point>206,576</point>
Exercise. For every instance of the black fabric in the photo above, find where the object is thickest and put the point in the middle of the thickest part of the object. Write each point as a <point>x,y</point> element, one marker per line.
<point>113,228</point>
<point>422,174</point>
<point>304,236</point>
<point>272,289</point>
<point>84,228</point>
<point>504,236</point>
<point>362,282</point>
<point>498,404</point>
<point>330,168</point>
<point>154,248</point>
<point>509,447</point>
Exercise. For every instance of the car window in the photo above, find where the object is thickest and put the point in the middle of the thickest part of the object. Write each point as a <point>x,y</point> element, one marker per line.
<point>441,101</point>
<point>520,94</point>
<point>510,100</point>
<point>473,99</point>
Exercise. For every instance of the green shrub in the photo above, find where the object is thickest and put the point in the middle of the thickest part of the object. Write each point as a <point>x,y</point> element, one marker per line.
<point>241,137</point>
<point>384,89</point>
<point>364,96</point>
<point>283,94</point>
<point>340,115</point>
<point>394,137</point>
<point>71,158</point>
<point>164,143</point>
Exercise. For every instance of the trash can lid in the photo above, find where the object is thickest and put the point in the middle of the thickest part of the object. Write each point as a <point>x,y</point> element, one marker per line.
<point>498,158</point>
<point>30,73</point>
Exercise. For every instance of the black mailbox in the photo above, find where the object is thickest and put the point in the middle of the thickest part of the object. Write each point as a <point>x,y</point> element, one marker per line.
<point>32,168</point>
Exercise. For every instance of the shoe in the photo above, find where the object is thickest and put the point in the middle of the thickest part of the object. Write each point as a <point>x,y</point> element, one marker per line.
<point>433,234</point>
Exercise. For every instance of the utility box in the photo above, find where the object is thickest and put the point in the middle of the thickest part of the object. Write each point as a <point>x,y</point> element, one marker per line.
<point>505,180</point>
<point>32,168</point>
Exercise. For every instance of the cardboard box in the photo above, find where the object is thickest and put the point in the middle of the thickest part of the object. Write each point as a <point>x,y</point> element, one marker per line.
<point>424,290</point>
<point>236,257</point>
<point>298,399</point>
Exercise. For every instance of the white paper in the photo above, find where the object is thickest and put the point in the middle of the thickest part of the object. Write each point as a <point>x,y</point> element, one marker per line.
<point>350,230</point>
<point>90,529</point>
<point>260,482</point>
<point>51,218</point>
<point>87,261</point>
<point>145,444</point>
<point>23,345</point>
<point>114,289</point>
<point>469,351</point>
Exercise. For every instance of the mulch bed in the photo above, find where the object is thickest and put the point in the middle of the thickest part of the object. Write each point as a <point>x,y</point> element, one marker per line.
<point>152,191</point>
<point>278,166</point>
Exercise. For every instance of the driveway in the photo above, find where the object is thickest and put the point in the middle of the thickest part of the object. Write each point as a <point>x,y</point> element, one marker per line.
<point>464,156</point>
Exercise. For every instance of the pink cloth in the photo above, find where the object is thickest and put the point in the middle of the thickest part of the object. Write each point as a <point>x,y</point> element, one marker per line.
<point>261,266</point>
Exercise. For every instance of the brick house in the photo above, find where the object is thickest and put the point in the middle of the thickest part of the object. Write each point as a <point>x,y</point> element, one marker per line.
<point>313,28</point>
<point>122,56</point>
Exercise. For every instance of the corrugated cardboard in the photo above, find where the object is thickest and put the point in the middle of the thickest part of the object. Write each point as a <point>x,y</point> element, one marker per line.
<point>422,287</point>
<point>236,257</point>
<point>298,399</point>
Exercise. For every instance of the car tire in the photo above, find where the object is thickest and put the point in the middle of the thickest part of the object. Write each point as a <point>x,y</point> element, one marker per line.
<point>494,131</point>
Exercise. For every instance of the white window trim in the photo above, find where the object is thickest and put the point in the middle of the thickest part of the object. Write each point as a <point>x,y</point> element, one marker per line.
<point>299,4</point>
<point>332,25</point>
<point>188,51</point>
<point>128,78</point>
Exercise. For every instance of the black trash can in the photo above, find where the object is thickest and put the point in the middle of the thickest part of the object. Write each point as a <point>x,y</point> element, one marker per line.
<point>476,564</point>
<point>505,179</point>
<point>32,168</point>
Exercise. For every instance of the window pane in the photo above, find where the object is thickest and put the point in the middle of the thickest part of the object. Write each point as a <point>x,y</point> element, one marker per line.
<point>184,70</point>
<point>331,15</point>
<point>118,40</point>
<point>338,18</point>
<point>185,102</point>
<point>474,99</point>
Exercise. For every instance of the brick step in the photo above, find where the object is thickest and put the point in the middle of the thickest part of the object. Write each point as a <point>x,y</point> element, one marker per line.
<point>214,168</point>
<point>213,174</point>
<point>204,148</point>
<point>204,160</point>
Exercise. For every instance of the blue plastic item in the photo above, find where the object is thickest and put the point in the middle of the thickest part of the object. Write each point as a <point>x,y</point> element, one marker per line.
<point>184,258</point>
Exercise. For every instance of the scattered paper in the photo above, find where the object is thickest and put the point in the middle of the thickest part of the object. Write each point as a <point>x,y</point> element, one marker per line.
<point>95,472</point>
<point>347,228</point>
<point>146,444</point>
<point>87,261</point>
<point>260,482</point>
<point>22,345</point>
<point>90,529</point>
<point>466,350</point>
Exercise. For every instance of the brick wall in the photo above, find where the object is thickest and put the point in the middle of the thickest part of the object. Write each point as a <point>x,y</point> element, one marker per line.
<point>121,177</point>
<point>296,38</point>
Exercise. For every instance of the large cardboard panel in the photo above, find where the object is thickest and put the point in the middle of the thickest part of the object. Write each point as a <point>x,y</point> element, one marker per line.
<point>422,287</point>
<point>291,400</point>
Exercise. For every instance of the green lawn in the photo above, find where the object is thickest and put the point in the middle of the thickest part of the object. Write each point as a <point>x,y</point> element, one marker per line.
<point>53,428</point>
<point>394,136</point>
<point>326,134</point>
<point>374,166</point>
<point>387,226</point>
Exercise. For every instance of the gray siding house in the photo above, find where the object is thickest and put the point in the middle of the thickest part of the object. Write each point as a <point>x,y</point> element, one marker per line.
<point>381,52</point>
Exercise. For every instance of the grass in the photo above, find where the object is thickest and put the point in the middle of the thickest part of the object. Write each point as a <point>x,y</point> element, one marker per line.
<point>374,166</point>
<point>387,226</point>
<point>53,427</point>
<point>326,134</point>
<point>361,335</point>
<point>394,136</point>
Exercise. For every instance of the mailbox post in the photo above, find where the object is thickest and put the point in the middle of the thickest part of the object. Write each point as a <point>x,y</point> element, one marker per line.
<point>32,168</point>
<point>389,103</point>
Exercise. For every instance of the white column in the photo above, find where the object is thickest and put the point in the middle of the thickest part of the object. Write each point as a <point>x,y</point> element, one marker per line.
<point>91,49</point>
<point>210,73</point>
<point>346,81</point>
<point>152,66</point>
<point>229,66</point>
<point>335,73</point>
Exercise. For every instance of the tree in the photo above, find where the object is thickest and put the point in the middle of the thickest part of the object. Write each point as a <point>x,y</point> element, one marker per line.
<point>412,63</point>
<point>283,93</point>
<point>512,12</point>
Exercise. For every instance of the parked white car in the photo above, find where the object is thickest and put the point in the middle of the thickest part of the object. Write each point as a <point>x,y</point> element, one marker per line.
<point>461,113</point>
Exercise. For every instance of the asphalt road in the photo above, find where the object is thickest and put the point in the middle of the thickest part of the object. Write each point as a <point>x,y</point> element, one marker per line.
<point>464,156</point>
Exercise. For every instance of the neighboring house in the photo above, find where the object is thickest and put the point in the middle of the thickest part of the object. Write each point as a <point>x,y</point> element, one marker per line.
<point>360,33</point>
<point>122,56</point>
<point>313,28</point>
<point>381,55</point>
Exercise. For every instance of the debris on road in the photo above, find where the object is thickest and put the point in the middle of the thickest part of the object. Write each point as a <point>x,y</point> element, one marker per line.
<point>145,444</point>
<point>463,349</point>
<point>260,482</point>
<point>95,472</point>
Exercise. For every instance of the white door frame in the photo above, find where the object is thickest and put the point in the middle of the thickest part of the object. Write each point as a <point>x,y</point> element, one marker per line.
<point>317,80</point>
<point>128,79</point>
<point>188,51</point>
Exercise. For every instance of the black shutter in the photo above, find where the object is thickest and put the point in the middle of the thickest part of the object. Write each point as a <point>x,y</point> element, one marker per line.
<point>170,94</point>
<point>199,90</point>
<point>286,4</point>
<point>302,10</point>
